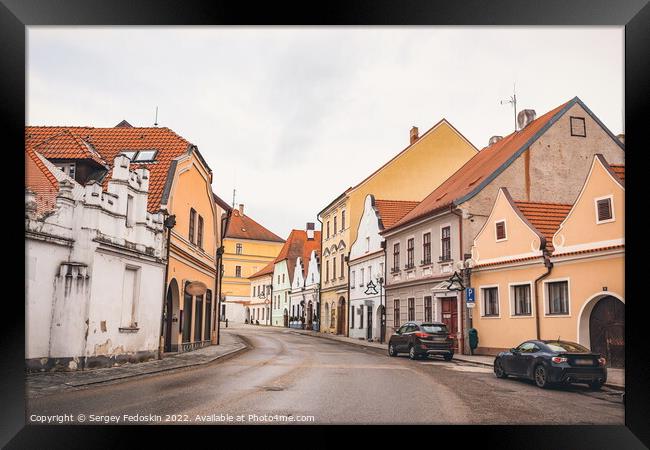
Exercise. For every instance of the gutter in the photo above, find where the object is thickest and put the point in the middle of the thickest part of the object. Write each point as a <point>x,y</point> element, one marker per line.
<point>549,266</point>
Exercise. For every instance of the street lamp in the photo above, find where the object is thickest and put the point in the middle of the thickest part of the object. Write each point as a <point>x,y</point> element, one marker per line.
<point>382,319</point>
<point>459,282</point>
<point>169,223</point>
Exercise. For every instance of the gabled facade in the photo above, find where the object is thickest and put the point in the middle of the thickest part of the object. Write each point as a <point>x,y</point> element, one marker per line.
<point>367,267</point>
<point>259,306</point>
<point>304,290</point>
<point>248,248</point>
<point>554,270</point>
<point>95,267</point>
<point>428,160</point>
<point>542,162</point>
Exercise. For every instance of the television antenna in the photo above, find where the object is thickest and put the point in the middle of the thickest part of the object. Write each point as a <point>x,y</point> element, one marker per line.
<point>513,101</point>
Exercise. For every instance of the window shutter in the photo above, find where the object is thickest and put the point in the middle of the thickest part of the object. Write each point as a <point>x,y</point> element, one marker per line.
<point>604,209</point>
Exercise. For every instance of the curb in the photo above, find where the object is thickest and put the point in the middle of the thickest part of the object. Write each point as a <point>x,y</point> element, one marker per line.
<point>242,347</point>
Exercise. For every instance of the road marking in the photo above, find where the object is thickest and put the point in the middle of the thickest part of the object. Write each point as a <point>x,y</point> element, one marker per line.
<point>471,369</point>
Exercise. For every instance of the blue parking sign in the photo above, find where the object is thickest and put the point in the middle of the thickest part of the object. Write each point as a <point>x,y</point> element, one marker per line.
<point>469,295</point>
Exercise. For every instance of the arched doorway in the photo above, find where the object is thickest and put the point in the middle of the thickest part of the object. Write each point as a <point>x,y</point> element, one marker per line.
<point>170,316</point>
<point>378,335</point>
<point>286,318</point>
<point>340,313</point>
<point>607,330</point>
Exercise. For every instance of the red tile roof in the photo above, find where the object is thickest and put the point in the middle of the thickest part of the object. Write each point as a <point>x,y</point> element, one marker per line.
<point>40,181</point>
<point>66,145</point>
<point>266,270</point>
<point>243,227</point>
<point>296,245</point>
<point>485,164</point>
<point>390,211</point>
<point>619,170</point>
<point>109,142</point>
<point>545,217</point>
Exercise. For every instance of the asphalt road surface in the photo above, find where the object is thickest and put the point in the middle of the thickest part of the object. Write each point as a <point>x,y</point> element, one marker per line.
<point>287,377</point>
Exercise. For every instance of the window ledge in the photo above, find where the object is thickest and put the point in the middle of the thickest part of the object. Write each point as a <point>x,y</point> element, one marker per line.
<point>129,329</point>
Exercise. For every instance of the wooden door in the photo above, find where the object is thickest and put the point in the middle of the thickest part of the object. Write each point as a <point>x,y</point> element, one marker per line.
<point>449,308</point>
<point>607,330</point>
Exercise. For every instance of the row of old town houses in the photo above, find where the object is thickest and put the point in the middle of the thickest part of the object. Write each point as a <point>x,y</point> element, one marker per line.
<point>523,239</point>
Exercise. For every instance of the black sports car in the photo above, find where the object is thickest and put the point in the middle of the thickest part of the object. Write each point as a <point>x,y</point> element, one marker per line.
<point>548,362</point>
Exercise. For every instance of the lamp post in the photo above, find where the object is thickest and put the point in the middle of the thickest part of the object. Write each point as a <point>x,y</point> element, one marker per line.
<point>458,282</point>
<point>169,223</point>
<point>382,317</point>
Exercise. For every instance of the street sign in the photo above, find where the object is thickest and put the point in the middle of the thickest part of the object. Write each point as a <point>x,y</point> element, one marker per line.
<point>471,305</point>
<point>469,295</point>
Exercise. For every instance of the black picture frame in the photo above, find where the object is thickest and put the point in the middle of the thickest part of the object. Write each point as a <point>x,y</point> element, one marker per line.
<point>15,15</point>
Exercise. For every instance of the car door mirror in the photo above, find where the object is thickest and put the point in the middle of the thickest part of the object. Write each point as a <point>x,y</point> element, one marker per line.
<point>397,332</point>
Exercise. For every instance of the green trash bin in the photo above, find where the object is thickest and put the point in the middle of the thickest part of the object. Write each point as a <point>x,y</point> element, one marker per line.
<point>473,338</point>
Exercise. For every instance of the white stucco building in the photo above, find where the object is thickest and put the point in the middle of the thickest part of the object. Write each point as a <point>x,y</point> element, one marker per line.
<point>94,268</point>
<point>304,291</point>
<point>367,266</point>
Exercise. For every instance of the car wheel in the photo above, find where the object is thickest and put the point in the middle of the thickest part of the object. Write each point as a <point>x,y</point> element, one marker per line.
<point>498,369</point>
<point>595,385</point>
<point>541,376</point>
<point>391,350</point>
<point>448,357</point>
<point>412,353</point>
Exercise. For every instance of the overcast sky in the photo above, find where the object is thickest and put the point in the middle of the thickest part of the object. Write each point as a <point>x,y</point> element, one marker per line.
<point>291,117</point>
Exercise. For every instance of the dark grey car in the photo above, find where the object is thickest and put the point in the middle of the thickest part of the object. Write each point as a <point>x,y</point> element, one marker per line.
<point>421,339</point>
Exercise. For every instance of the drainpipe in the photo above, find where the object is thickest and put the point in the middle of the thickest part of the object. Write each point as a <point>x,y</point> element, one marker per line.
<point>466,324</point>
<point>169,223</point>
<point>347,308</point>
<point>224,226</point>
<point>549,266</point>
<point>382,317</point>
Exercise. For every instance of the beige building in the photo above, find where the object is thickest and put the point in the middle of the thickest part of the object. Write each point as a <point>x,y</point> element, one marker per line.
<point>550,271</point>
<point>428,160</point>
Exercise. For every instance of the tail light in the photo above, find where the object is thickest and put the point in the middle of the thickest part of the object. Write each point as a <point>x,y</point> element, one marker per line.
<point>558,359</point>
<point>602,362</point>
<point>421,334</point>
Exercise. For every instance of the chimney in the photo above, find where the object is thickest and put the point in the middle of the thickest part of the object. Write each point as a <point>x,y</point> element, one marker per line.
<point>621,137</point>
<point>310,231</point>
<point>525,117</point>
<point>414,134</point>
<point>494,139</point>
<point>241,209</point>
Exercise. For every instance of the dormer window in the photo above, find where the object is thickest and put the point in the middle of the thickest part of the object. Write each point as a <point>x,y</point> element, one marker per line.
<point>501,230</point>
<point>68,168</point>
<point>140,156</point>
<point>604,211</point>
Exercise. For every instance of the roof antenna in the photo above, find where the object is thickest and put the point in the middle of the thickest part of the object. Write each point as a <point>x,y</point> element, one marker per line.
<point>155,123</point>
<point>233,197</point>
<point>513,102</point>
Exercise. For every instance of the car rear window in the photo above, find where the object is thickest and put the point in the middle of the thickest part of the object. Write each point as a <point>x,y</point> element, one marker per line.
<point>431,328</point>
<point>565,347</point>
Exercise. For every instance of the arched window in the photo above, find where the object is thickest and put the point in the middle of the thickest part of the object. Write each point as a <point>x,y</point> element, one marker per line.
<point>333,319</point>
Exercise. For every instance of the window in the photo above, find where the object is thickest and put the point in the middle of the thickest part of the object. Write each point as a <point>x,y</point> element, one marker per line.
<point>501,230</point>
<point>186,315</point>
<point>208,314</point>
<point>68,168</point>
<point>342,220</point>
<point>342,265</point>
<point>140,156</point>
<point>426,248</point>
<point>578,127</point>
<point>396,257</point>
<point>396,319</point>
<point>362,277</point>
<point>192,224</point>
<point>238,271</point>
<point>199,237</point>
<point>410,250</point>
<point>352,279</point>
<point>427,309</point>
<point>129,298</point>
<point>328,229</point>
<point>528,347</point>
<point>411,310</point>
<point>490,301</point>
<point>445,243</point>
<point>521,296</point>
<point>238,249</point>
<point>129,154</point>
<point>381,269</point>
<point>352,316</point>
<point>327,270</point>
<point>254,291</point>
<point>367,244</point>
<point>369,273</point>
<point>604,210</point>
<point>283,278</point>
<point>558,297</point>
<point>334,224</point>
<point>333,269</point>
<point>361,317</point>
<point>130,212</point>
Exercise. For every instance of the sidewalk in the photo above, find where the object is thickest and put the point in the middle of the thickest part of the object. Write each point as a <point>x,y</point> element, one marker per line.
<point>615,377</point>
<point>44,383</point>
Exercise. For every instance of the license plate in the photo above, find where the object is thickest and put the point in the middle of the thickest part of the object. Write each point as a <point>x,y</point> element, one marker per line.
<point>583,362</point>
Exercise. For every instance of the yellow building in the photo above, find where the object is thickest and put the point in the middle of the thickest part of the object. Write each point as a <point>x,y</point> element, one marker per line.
<point>412,174</point>
<point>549,271</point>
<point>248,248</point>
